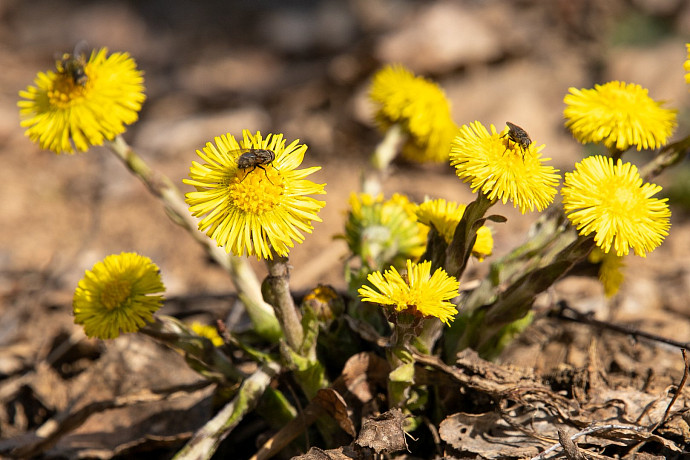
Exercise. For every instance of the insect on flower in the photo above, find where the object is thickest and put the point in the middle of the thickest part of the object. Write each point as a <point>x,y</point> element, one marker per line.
<point>73,64</point>
<point>518,136</point>
<point>255,158</point>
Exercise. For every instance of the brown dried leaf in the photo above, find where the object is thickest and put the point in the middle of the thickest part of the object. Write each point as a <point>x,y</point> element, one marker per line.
<point>488,436</point>
<point>331,401</point>
<point>363,373</point>
<point>383,433</point>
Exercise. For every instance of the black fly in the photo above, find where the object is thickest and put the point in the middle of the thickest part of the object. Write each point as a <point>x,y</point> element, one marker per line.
<point>255,158</point>
<point>518,136</point>
<point>74,65</point>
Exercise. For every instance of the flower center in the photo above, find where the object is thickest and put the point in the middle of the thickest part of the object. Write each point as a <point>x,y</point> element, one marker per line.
<point>115,293</point>
<point>619,197</point>
<point>257,190</point>
<point>65,91</point>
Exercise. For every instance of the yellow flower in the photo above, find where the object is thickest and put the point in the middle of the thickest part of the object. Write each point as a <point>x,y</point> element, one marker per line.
<point>445,216</point>
<point>210,332</point>
<point>610,270</point>
<point>686,65</point>
<point>83,103</point>
<point>612,202</point>
<point>417,292</point>
<point>384,232</point>
<point>419,106</point>
<point>115,295</point>
<point>257,210</point>
<point>619,115</point>
<point>502,169</point>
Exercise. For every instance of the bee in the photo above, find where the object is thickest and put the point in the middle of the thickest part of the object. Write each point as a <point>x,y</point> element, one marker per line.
<point>518,136</point>
<point>74,64</point>
<point>255,158</point>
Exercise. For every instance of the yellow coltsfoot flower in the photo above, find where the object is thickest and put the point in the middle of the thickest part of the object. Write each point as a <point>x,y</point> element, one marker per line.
<point>445,216</point>
<point>620,115</point>
<point>612,202</point>
<point>686,65</point>
<point>254,207</point>
<point>610,270</point>
<point>415,292</point>
<point>503,169</point>
<point>116,295</point>
<point>383,232</point>
<point>83,102</point>
<point>208,331</point>
<point>420,107</point>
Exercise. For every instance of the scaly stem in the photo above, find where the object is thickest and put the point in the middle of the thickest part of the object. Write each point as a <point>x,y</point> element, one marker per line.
<point>276,291</point>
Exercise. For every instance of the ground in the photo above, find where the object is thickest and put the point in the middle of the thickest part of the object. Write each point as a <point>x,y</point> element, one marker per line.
<point>303,70</point>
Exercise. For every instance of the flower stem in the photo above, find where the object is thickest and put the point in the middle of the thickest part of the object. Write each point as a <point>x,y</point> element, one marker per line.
<point>243,277</point>
<point>276,289</point>
<point>385,153</point>
<point>205,442</point>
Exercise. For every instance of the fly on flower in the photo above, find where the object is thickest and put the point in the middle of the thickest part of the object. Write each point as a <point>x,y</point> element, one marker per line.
<point>73,64</point>
<point>518,136</point>
<point>254,158</point>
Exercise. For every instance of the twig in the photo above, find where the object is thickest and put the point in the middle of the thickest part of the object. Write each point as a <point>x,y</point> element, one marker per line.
<point>578,317</point>
<point>572,452</point>
<point>686,371</point>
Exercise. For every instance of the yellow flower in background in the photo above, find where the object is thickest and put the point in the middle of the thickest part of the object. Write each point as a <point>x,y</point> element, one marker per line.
<point>612,201</point>
<point>210,332</point>
<point>610,270</point>
<point>257,210</point>
<point>420,107</point>
<point>83,102</point>
<point>445,216</point>
<point>686,65</point>
<point>116,295</point>
<point>501,169</point>
<point>620,115</point>
<point>384,232</point>
<point>416,292</point>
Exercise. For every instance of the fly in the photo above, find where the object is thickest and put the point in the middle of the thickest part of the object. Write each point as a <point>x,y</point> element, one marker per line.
<point>255,158</point>
<point>518,136</point>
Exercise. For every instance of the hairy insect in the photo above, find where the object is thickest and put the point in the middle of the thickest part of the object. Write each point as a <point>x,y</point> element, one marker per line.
<point>518,136</point>
<point>73,64</point>
<point>255,158</point>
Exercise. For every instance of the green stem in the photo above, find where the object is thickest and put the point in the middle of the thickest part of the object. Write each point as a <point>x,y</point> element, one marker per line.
<point>460,248</point>
<point>205,442</point>
<point>242,275</point>
<point>385,153</point>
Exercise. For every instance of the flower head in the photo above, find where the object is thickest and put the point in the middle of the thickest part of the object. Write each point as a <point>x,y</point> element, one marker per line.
<point>619,115</point>
<point>257,210</point>
<point>445,216</point>
<point>611,201</point>
<point>115,295</point>
<point>503,169</point>
<point>419,106</point>
<point>610,270</point>
<point>210,332</point>
<point>416,292</point>
<point>83,102</point>
<point>384,232</point>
